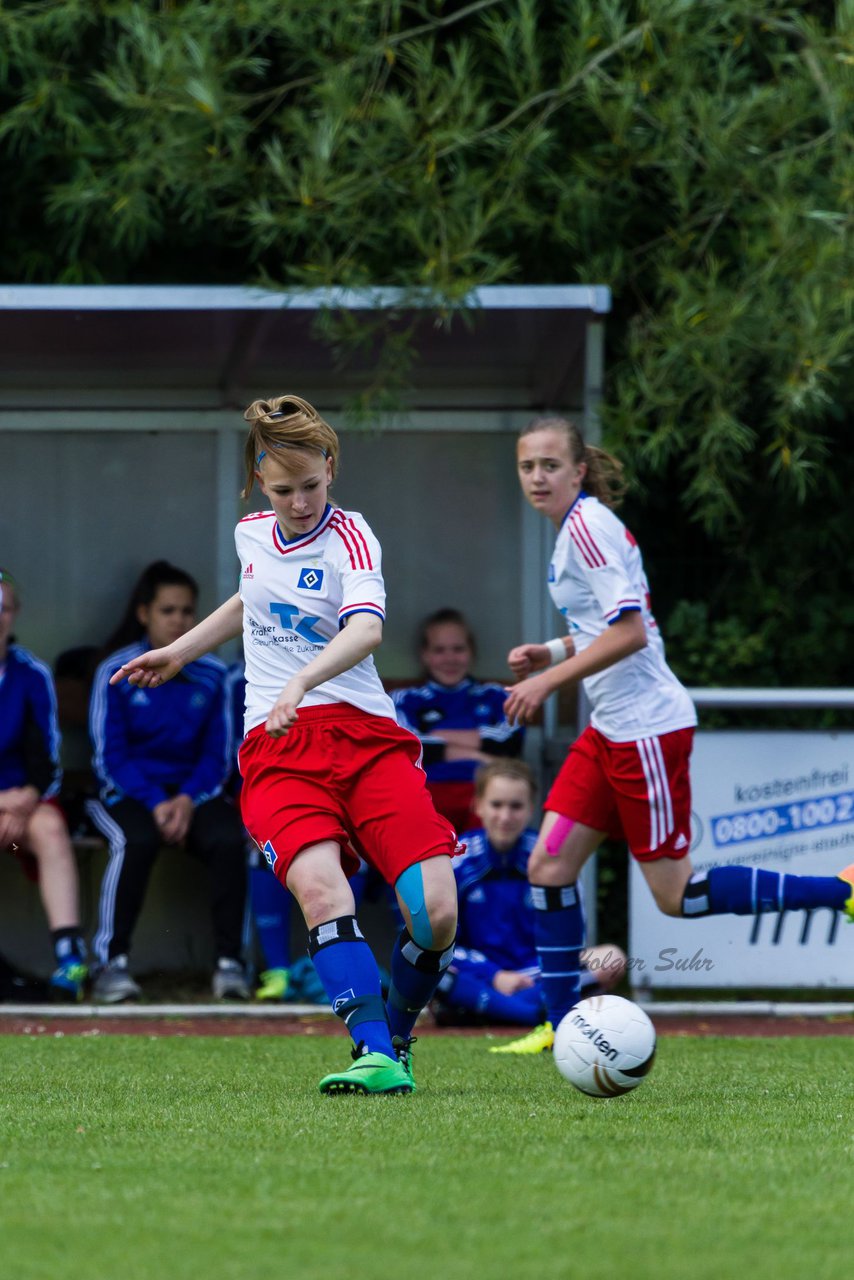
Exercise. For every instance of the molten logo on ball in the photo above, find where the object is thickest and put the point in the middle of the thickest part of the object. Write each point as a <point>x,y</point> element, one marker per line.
<point>605,1046</point>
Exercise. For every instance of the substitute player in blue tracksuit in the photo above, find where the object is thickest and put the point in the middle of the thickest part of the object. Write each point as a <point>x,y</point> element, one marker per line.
<point>460,720</point>
<point>31,821</point>
<point>162,757</point>
<point>494,974</point>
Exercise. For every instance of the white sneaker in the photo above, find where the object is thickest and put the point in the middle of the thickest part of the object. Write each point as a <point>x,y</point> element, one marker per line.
<point>113,983</point>
<point>229,980</point>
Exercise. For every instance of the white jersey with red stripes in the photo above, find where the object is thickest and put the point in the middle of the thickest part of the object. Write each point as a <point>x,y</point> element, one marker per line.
<point>296,596</point>
<point>596,574</point>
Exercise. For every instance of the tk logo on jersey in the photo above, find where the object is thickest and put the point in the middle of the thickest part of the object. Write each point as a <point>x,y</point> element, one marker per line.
<point>291,619</point>
<point>310,580</point>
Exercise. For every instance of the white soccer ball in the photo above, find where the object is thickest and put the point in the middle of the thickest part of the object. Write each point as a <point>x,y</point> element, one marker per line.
<point>605,1046</point>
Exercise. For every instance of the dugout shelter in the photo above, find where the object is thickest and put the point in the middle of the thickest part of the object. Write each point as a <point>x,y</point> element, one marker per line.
<point>121,437</point>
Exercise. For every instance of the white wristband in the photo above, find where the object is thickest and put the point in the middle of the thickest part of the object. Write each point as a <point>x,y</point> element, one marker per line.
<point>557,651</point>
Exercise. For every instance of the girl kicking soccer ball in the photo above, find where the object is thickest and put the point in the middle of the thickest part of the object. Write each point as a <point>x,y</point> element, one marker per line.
<point>328,774</point>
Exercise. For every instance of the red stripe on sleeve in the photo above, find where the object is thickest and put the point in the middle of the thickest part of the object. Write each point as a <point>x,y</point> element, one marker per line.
<point>257,515</point>
<point>582,538</point>
<point>336,527</point>
<point>361,542</point>
<point>361,604</point>
<point>354,541</point>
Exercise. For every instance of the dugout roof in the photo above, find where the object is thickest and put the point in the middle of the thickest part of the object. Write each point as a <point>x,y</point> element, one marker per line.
<point>110,347</point>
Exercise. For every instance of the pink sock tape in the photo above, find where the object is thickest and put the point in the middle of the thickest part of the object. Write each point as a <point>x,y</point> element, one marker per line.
<point>557,835</point>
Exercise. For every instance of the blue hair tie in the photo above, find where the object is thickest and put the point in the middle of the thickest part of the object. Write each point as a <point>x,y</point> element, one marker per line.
<point>283,445</point>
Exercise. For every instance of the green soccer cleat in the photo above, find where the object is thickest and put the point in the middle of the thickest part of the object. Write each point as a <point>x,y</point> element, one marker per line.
<point>403,1049</point>
<point>370,1073</point>
<point>274,984</point>
<point>68,981</point>
<point>540,1040</point>
<point>848,876</point>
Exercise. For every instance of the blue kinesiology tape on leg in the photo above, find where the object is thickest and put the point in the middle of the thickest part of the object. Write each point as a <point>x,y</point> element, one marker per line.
<point>410,886</point>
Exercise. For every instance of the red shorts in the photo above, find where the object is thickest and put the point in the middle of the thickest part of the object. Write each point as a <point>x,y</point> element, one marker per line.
<point>636,791</point>
<point>454,801</point>
<point>345,775</point>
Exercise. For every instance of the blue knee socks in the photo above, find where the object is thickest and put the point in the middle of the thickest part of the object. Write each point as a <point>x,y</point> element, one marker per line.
<point>559,939</point>
<point>415,974</point>
<point>346,966</point>
<point>746,891</point>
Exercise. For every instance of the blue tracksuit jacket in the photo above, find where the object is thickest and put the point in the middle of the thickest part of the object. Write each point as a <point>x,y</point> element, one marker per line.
<point>426,709</point>
<point>29,726</point>
<point>151,744</point>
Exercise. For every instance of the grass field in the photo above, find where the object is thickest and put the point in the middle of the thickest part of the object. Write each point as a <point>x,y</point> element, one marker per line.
<point>131,1157</point>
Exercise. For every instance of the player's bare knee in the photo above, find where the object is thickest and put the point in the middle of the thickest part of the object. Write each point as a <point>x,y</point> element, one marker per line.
<point>321,902</point>
<point>442,912</point>
<point>47,825</point>
<point>543,869</point>
<point>318,907</point>
<point>318,883</point>
<point>428,893</point>
<point>667,878</point>
<point>669,904</point>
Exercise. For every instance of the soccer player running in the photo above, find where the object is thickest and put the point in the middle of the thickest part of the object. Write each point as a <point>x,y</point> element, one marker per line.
<point>627,775</point>
<point>327,771</point>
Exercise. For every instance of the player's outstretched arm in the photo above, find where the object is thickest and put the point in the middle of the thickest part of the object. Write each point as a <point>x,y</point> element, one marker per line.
<point>159,665</point>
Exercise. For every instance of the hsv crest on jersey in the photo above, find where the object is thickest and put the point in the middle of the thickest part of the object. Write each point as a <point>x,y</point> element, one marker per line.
<point>310,579</point>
